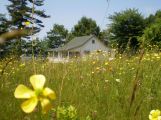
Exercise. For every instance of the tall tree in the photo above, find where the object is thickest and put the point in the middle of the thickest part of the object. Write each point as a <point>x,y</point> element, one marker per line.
<point>152,35</point>
<point>57,36</point>
<point>86,26</point>
<point>3,24</point>
<point>38,47</point>
<point>152,18</point>
<point>4,48</point>
<point>125,28</point>
<point>21,12</point>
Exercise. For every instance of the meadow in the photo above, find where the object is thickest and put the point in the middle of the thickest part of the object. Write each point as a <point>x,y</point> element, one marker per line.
<point>124,88</point>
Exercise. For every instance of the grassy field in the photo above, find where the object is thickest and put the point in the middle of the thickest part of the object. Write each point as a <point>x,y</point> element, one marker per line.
<point>125,88</point>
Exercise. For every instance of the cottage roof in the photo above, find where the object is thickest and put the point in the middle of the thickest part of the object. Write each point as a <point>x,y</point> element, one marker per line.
<point>74,43</point>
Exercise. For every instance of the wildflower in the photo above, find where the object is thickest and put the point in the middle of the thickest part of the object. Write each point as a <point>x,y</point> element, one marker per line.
<point>117,80</point>
<point>22,65</point>
<point>155,115</point>
<point>106,63</point>
<point>34,96</point>
<point>97,68</point>
<point>27,23</point>
<point>110,59</point>
<point>120,73</point>
<point>106,81</point>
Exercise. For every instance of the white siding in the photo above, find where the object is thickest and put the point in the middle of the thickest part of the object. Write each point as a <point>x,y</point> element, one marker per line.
<point>89,46</point>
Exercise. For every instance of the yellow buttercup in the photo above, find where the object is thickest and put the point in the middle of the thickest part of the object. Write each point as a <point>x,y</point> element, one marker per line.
<point>34,96</point>
<point>155,115</point>
<point>27,23</point>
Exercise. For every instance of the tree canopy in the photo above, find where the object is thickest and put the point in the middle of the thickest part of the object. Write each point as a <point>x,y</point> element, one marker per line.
<point>126,26</point>
<point>21,12</point>
<point>86,26</point>
<point>3,24</point>
<point>57,36</point>
<point>152,35</point>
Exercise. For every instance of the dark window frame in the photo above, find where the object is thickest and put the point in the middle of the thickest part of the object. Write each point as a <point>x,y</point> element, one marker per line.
<point>93,41</point>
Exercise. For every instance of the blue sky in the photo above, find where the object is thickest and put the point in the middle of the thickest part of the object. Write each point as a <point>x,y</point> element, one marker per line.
<point>68,12</point>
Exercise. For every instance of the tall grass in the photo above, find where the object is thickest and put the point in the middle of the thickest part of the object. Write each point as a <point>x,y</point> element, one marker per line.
<point>96,87</point>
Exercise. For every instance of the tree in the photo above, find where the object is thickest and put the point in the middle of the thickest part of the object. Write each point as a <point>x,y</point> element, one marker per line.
<point>38,47</point>
<point>21,15</point>
<point>152,35</point>
<point>6,47</point>
<point>153,18</point>
<point>21,12</point>
<point>57,36</point>
<point>86,26</point>
<point>3,24</point>
<point>125,28</point>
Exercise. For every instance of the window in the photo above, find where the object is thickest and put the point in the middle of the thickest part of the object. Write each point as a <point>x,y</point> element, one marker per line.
<point>93,41</point>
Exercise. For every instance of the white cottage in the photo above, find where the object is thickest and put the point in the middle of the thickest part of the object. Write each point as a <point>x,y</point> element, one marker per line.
<point>78,47</point>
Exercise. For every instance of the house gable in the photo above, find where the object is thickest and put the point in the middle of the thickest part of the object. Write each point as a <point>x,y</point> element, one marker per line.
<point>91,45</point>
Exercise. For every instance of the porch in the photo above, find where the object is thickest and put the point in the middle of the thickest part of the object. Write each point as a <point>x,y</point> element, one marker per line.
<point>59,56</point>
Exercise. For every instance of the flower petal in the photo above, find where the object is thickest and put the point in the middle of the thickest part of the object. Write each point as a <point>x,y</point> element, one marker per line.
<point>46,105</point>
<point>37,81</point>
<point>47,92</point>
<point>23,92</point>
<point>29,105</point>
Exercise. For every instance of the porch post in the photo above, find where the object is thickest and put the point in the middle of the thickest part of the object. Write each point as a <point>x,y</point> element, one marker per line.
<point>58,54</point>
<point>53,54</point>
<point>68,54</point>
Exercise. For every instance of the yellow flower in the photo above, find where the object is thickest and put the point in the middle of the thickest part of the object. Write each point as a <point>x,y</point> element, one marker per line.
<point>117,80</point>
<point>97,68</point>
<point>27,23</point>
<point>154,115</point>
<point>106,63</point>
<point>22,65</point>
<point>34,96</point>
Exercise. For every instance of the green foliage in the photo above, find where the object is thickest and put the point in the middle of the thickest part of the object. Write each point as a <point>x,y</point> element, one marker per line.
<point>21,12</point>
<point>152,35</point>
<point>38,47</point>
<point>126,26</point>
<point>86,26</point>
<point>66,113</point>
<point>57,36</point>
<point>7,46</point>
<point>153,18</point>
<point>103,36</point>
<point>3,24</point>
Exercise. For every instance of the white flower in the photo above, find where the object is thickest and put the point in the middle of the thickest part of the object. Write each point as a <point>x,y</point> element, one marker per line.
<point>106,81</point>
